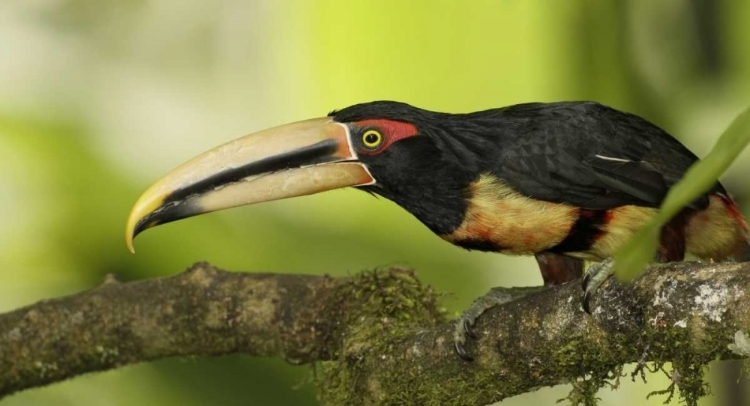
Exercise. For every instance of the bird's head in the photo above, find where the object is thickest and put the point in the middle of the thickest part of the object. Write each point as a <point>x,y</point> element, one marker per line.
<point>422,160</point>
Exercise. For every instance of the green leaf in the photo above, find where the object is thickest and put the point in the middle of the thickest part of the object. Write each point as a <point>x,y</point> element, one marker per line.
<point>639,250</point>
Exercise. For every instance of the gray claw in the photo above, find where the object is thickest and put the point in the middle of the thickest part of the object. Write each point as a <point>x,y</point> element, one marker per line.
<point>585,302</point>
<point>595,276</point>
<point>460,332</point>
<point>461,351</point>
<point>585,281</point>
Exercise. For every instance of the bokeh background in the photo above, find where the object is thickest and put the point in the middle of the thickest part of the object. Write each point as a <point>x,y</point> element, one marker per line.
<point>100,98</point>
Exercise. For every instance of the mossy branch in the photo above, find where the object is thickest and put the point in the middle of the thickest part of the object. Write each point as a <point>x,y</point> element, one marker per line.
<point>382,336</point>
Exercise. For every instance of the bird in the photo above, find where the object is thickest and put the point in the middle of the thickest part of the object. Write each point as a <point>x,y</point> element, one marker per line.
<point>566,182</point>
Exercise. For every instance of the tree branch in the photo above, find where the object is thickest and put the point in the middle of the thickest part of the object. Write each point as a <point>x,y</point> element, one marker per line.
<point>383,334</point>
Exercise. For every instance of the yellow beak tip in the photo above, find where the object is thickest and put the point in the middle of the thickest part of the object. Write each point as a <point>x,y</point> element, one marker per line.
<point>147,203</point>
<point>129,242</point>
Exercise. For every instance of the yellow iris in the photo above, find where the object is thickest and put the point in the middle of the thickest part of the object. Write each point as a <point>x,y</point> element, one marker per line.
<point>372,139</point>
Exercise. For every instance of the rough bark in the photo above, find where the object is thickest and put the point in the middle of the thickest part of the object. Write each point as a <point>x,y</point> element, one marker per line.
<point>382,335</point>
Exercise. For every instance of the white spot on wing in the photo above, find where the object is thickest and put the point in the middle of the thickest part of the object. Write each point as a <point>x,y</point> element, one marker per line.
<point>609,158</point>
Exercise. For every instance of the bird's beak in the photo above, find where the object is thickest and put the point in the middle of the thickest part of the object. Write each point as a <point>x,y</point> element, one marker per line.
<point>291,160</point>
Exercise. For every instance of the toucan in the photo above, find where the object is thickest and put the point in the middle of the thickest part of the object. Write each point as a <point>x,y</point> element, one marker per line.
<point>566,182</point>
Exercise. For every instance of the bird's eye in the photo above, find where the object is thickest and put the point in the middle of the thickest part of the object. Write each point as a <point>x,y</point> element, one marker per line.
<point>372,139</point>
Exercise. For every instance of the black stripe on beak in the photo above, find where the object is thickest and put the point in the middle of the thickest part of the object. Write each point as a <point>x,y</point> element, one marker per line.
<point>318,153</point>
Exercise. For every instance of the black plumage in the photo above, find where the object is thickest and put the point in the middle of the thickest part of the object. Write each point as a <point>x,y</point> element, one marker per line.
<point>589,155</point>
<point>583,154</point>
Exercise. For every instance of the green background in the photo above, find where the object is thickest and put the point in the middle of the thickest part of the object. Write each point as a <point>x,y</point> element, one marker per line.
<point>100,98</point>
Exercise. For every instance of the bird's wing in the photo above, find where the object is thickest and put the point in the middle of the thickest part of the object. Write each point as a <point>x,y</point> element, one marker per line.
<point>590,156</point>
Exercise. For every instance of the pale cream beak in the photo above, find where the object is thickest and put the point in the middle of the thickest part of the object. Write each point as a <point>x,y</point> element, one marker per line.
<point>291,160</point>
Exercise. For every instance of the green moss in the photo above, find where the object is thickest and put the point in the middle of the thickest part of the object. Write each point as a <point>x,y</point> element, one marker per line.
<point>689,354</point>
<point>381,306</point>
<point>392,303</point>
<point>377,307</point>
<point>590,369</point>
<point>595,369</point>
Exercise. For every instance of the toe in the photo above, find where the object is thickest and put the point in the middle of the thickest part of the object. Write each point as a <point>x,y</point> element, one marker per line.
<point>469,329</point>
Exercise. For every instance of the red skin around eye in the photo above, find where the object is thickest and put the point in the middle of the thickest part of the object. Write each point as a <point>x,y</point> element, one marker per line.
<point>392,131</point>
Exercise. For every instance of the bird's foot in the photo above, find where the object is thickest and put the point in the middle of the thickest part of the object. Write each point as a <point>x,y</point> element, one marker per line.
<point>496,296</point>
<point>595,276</point>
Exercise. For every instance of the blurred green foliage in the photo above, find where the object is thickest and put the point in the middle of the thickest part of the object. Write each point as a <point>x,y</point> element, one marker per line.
<point>99,99</point>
